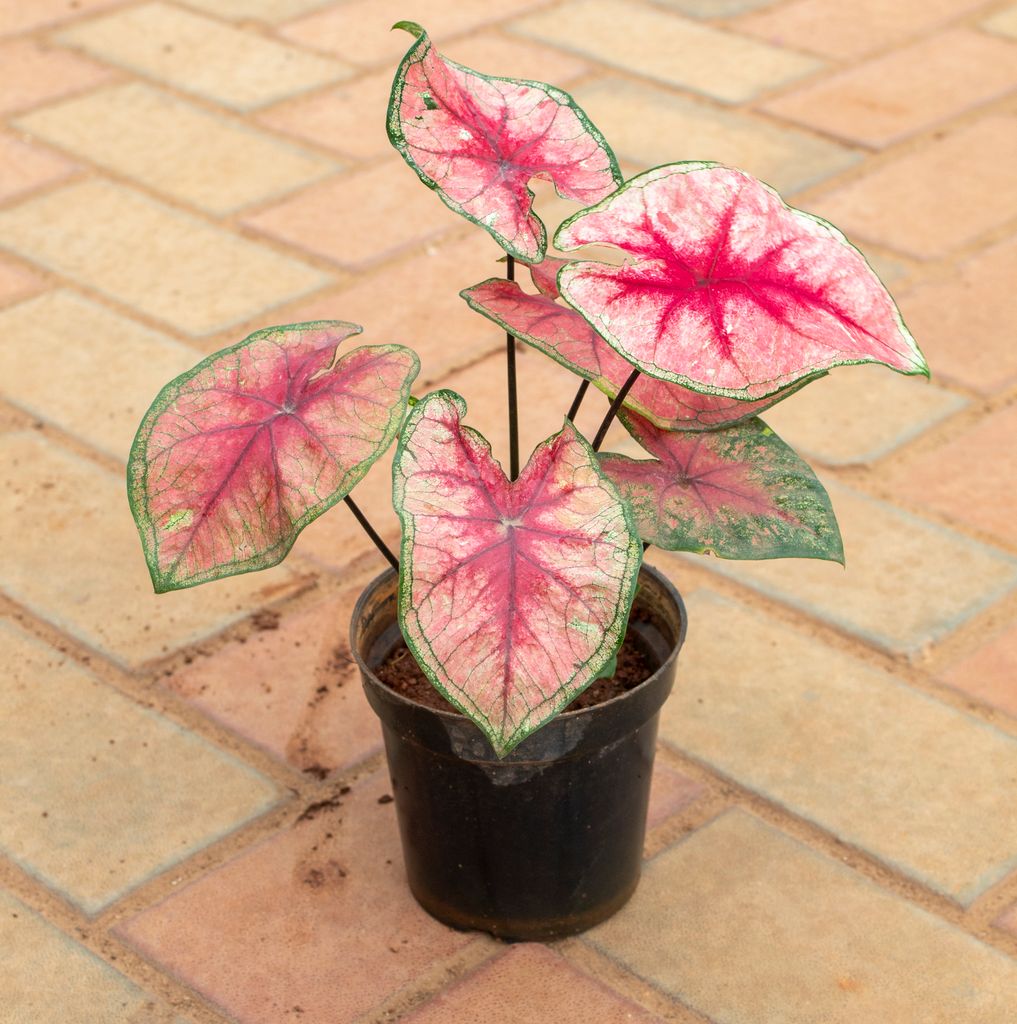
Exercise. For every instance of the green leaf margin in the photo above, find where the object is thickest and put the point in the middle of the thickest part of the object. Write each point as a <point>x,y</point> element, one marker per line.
<point>600,382</point>
<point>601,657</point>
<point>395,135</point>
<point>137,465</point>
<point>794,483</point>
<point>652,370</point>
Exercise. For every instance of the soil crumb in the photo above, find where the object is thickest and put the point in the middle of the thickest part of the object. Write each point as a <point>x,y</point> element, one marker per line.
<point>311,811</point>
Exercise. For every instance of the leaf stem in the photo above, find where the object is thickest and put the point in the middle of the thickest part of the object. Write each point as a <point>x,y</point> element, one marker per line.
<point>513,409</point>
<point>615,406</point>
<point>577,401</point>
<point>372,533</point>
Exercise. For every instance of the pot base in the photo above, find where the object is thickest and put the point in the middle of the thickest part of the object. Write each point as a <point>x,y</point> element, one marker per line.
<point>528,930</point>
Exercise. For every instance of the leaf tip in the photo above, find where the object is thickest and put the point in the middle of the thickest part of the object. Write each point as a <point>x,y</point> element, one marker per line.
<point>161,584</point>
<point>409,26</point>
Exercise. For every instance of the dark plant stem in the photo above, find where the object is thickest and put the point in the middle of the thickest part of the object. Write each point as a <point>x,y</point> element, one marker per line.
<point>577,401</point>
<point>615,406</point>
<point>513,409</point>
<point>371,532</point>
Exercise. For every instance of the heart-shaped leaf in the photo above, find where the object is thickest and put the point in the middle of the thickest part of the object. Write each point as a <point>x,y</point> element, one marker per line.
<point>567,338</point>
<point>730,291</point>
<point>740,492</point>
<point>512,595</point>
<point>236,456</point>
<point>477,141</point>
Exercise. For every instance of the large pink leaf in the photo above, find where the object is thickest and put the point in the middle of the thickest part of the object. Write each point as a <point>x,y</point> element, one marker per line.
<point>239,454</point>
<point>512,595</point>
<point>729,291</point>
<point>478,140</point>
<point>568,339</point>
<point>740,492</point>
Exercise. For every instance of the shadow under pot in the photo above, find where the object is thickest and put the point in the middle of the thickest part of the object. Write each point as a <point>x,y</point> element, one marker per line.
<point>547,841</point>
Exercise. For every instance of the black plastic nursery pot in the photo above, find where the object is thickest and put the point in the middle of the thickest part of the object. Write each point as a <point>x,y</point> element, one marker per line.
<point>548,841</point>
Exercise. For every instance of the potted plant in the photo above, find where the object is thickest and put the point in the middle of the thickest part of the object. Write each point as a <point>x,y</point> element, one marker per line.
<point>522,811</point>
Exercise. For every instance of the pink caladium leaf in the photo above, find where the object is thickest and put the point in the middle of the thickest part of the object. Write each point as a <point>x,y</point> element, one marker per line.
<point>477,141</point>
<point>740,492</point>
<point>512,595</point>
<point>236,456</point>
<point>567,338</point>
<point>729,291</point>
<point>545,275</point>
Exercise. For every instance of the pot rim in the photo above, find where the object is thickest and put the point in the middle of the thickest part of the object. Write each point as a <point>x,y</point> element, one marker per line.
<point>569,716</point>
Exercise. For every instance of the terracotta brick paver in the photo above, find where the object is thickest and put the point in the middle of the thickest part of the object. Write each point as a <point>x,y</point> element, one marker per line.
<point>358,219</point>
<point>907,582</point>
<point>25,168</point>
<point>1004,22</point>
<point>77,558</point>
<point>114,793</point>
<point>292,687</point>
<point>860,414</point>
<point>63,383</point>
<point>529,985</point>
<point>791,731</point>
<point>232,66</point>
<point>846,31</point>
<point>643,120</point>
<point>966,334</point>
<point>17,280</point>
<point>360,30</point>
<point>315,917</point>
<point>176,148</point>
<point>32,73</point>
<point>194,823</point>
<point>50,979</point>
<point>887,99</point>
<point>16,16</point>
<point>941,480</point>
<point>652,42</point>
<point>794,928</point>
<point>988,673</point>
<point>183,271</point>
<point>934,199</point>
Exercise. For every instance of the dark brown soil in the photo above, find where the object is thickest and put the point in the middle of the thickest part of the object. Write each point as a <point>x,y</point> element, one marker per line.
<point>400,672</point>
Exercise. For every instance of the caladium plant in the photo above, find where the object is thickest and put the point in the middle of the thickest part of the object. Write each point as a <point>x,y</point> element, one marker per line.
<point>515,589</point>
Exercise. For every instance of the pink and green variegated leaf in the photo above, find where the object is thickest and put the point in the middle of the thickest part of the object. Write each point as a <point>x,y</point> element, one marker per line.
<point>513,596</point>
<point>477,141</point>
<point>729,291</point>
<point>567,338</point>
<point>236,456</point>
<point>740,492</point>
<point>545,275</point>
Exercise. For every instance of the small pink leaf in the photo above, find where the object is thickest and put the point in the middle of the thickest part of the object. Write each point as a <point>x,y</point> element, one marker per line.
<point>740,492</point>
<point>512,595</point>
<point>478,140</point>
<point>239,454</point>
<point>731,292</point>
<point>545,275</point>
<point>567,338</point>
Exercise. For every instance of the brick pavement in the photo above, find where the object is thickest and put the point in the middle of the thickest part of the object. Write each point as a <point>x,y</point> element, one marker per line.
<point>833,833</point>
